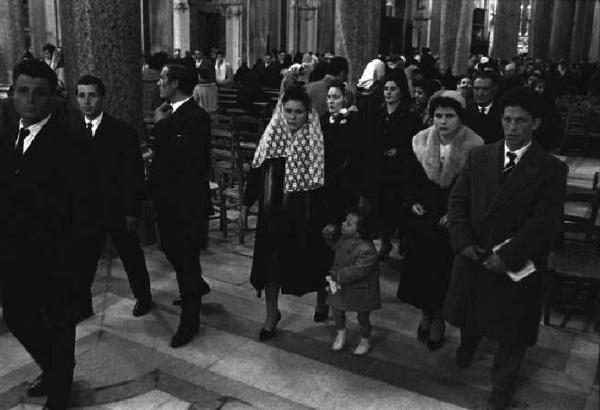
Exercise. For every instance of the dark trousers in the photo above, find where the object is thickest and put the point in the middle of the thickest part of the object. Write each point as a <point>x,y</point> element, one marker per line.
<point>129,250</point>
<point>181,241</point>
<point>38,311</point>
<point>507,362</point>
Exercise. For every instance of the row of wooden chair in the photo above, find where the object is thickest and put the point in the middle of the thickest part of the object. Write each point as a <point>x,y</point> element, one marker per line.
<point>581,133</point>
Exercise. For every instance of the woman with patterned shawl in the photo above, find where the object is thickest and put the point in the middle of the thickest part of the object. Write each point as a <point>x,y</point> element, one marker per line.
<point>287,177</point>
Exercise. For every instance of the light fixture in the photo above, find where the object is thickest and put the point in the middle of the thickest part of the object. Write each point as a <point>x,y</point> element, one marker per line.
<point>389,3</point>
<point>181,7</point>
<point>309,4</point>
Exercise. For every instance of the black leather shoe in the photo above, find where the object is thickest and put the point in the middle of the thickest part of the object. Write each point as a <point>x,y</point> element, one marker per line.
<point>142,307</point>
<point>39,387</point>
<point>422,334</point>
<point>464,357</point>
<point>321,315</point>
<point>433,345</point>
<point>177,301</point>
<point>498,401</point>
<point>204,288</point>
<point>265,334</point>
<point>183,336</point>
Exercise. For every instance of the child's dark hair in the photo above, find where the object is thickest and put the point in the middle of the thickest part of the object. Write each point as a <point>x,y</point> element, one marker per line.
<point>362,223</point>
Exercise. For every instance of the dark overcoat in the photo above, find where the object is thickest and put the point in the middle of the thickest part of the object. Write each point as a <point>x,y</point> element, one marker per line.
<point>485,211</point>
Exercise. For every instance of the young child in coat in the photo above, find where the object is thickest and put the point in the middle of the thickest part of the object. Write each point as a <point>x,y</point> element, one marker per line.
<point>353,278</point>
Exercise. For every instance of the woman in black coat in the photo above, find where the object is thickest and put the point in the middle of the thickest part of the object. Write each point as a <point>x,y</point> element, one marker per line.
<point>437,156</point>
<point>287,178</point>
<point>394,128</point>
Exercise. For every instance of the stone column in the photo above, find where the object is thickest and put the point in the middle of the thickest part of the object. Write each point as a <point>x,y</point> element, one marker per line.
<point>506,29</point>
<point>595,38</point>
<point>103,38</point>
<point>233,33</point>
<point>462,48</point>
<point>539,31</point>
<point>434,31</point>
<point>160,14</point>
<point>450,14</point>
<point>421,24</point>
<point>12,40</point>
<point>307,30</point>
<point>292,27</point>
<point>326,40</point>
<point>357,26</point>
<point>37,24</point>
<point>258,20</point>
<point>582,29</point>
<point>562,27</point>
<point>181,26</point>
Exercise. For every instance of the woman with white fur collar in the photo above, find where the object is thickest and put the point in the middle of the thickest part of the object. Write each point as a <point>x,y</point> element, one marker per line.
<point>440,152</point>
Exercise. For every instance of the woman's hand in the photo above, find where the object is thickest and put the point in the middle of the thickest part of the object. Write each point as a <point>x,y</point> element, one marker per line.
<point>390,153</point>
<point>418,209</point>
<point>443,222</point>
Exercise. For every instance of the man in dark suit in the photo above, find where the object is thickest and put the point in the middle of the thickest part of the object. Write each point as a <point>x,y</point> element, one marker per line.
<point>504,214</point>
<point>483,116</point>
<point>119,172</point>
<point>178,186</point>
<point>200,61</point>
<point>45,210</point>
<point>268,71</point>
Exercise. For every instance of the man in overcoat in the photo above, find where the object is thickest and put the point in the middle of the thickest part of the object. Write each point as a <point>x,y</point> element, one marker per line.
<point>178,186</point>
<point>483,116</point>
<point>45,210</point>
<point>504,214</point>
<point>119,172</point>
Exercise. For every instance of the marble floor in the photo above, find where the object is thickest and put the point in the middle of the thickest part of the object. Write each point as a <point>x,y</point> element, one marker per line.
<point>126,363</point>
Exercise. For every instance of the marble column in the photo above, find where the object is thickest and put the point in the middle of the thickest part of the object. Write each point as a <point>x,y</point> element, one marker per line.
<point>292,26</point>
<point>233,33</point>
<point>258,20</point>
<point>506,29</point>
<point>421,24</point>
<point>562,28</point>
<point>308,25</point>
<point>37,24</point>
<point>103,38</point>
<point>539,31</point>
<point>582,29</point>
<point>449,15</point>
<point>357,27</point>
<point>462,48</point>
<point>181,26</point>
<point>326,40</point>
<point>594,53</point>
<point>434,31</point>
<point>12,39</point>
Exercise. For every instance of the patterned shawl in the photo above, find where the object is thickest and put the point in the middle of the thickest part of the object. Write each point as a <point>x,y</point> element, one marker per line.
<point>304,150</point>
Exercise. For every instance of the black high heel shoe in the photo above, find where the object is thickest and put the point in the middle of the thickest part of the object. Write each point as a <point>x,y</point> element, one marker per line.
<point>321,315</point>
<point>265,334</point>
<point>422,334</point>
<point>433,345</point>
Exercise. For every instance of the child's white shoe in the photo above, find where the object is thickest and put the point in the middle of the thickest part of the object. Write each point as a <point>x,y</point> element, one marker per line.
<point>363,347</point>
<point>340,341</point>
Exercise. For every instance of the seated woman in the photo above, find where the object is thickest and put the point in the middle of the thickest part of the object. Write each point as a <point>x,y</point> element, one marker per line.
<point>438,155</point>
<point>288,172</point>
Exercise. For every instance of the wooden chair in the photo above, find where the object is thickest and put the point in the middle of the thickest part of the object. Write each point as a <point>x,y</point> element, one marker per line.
<point>575,133</point>
<point>574,269</point>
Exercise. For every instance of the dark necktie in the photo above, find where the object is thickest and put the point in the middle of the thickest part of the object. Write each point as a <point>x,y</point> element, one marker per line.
<point>23,133</point>
<point>482,112</point>
<point>511,163</point>
<point>88,131</point>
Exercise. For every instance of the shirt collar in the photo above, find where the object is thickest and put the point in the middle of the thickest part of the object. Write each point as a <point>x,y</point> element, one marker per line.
<point>486,108</point>
<point>95,122</point>
<point>34,129</point>
<point>179,104</point>
<point>520,152</point>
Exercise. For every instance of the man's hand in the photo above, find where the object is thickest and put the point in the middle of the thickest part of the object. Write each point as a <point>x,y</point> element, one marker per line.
<point>163,111</point>
<point>132,223</point>
<point>443,221</point>
<point>329,232</point>
<point>472,252</point>
<point>495,264</point>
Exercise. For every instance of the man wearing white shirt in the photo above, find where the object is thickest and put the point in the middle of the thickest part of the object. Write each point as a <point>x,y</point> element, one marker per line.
<point>178,186</point>
<point>483,115</point>
<point>510,193</point>
<point>45,211</point>
<point>119,170</point>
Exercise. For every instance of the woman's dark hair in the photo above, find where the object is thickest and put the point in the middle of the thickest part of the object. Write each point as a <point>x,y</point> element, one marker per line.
<point>296,93</point>
<point>362,223</point>
<point>425,85</point>
<point>400,79</point>
<point>446,102</point>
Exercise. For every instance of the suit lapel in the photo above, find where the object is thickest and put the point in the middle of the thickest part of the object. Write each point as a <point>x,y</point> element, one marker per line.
<point>526,170</point>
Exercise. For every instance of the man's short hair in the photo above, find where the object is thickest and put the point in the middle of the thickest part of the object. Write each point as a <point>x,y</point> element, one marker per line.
<point>185,76</point>
<point>524,98</point>
<point>50,48</point>
<point>486,75</point>
<point>36,69</point>
<point>336,66</point>
<point>93,80</point>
